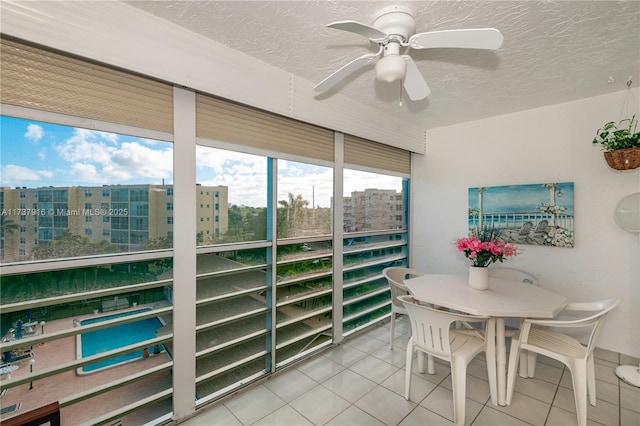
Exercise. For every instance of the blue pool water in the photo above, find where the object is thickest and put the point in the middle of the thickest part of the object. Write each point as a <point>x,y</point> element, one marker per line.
<point>115,337</point>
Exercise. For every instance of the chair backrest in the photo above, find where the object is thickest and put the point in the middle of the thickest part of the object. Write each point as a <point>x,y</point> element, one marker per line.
<point>396,276</point>
<point>512,274</point>
<point>600,308</point>
<point>526,228</point>
<point>431,328</point>
<point>592,315</point>
<point>541,227</point>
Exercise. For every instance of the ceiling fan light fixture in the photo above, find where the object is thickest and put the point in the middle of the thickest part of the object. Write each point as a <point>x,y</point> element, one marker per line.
<point>391,68</point>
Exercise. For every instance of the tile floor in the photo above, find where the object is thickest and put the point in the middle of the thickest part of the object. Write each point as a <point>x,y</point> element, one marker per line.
<point>361,382</point>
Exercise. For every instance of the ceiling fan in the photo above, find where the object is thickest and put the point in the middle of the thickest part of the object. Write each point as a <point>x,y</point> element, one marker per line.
<point>393,30</point>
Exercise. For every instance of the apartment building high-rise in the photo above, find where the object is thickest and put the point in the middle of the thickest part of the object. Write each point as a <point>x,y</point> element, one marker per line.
<point>124,216</point>
<point>373,209</point>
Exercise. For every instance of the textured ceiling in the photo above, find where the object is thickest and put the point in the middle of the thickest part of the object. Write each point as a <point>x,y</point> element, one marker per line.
<point>553,51</point>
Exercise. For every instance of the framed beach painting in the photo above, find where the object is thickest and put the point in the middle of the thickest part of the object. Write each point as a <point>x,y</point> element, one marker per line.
<point>536,214</point>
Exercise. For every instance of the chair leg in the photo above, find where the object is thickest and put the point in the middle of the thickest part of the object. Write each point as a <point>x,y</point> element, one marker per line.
<point>393,329</point>
<point>459,387</point>
<point>514,353</point>
<point>579,379</point>
<point>431,368</point>
<point>524,364</point>
<point>531,364</point>
<point>591,381</point>
<point>408,366</point>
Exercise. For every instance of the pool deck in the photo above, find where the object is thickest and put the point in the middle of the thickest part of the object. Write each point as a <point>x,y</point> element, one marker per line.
<point>62,385</point>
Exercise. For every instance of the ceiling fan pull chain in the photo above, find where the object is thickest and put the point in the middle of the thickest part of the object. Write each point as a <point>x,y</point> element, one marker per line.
<point>401,83</point>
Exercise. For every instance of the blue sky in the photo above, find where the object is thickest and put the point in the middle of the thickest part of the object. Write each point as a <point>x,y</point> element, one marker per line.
<point>35,154</point>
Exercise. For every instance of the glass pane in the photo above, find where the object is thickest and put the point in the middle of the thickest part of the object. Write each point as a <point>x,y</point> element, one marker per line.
<point>121,312</point>
<point>231,204</point>
<point>71,192</point>
<point>374,206</point>
<point>304,199</point>
<point>233,318</point>
<point>303,297</point>
<point>373,202</point>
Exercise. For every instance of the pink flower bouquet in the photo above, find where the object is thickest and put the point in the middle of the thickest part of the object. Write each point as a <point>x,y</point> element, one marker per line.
<point>484,248</point>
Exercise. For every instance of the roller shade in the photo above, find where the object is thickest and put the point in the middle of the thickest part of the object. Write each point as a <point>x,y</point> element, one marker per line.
<point>39,78</point>
<point>363,152</point>
<point>230,122</point>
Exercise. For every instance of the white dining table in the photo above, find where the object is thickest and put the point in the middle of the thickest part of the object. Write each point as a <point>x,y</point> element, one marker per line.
<point>503,299</point>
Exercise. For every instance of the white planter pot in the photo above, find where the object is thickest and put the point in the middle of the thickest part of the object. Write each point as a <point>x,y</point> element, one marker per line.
<point>478,278</point>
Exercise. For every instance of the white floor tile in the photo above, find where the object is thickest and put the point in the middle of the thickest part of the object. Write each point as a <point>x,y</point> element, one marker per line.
<point>440,401</point>
<point>218,415</point>
<point>374,369</point>
<point>420,416</point>
<point>284,416</point>
<point>361,382</point>
<point>535,388</point>
<point>320,368</point>
<point>490,417</point>
<point>320,405</point>
<point>526,408</point>
<point>290,384</point>
<point>349,385</point>
<point>253,405</point>
<point>385,405</point>
<point>345,355</point>
<point>420,388</point>
<point>477,389</point>
<point>353,416</point>
<point>366,343</point>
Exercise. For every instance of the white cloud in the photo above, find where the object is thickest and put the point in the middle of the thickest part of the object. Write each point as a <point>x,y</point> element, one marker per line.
<point>85,173</point>
<point>88,146</point>
<point>138,160</point>
<point>13,175</point>
<point>34,132</point>
<point>99,157</point>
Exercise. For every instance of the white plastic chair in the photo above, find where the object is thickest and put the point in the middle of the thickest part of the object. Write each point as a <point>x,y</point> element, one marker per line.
<point>396,275</point>
<point>566,349</point>
<point>431,333</point>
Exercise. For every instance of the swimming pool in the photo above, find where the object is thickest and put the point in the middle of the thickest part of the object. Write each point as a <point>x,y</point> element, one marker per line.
<point>98,341</point>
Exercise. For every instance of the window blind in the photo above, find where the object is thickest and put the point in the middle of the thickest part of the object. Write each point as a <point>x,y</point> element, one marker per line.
<point>363,152</point>
<point>230,122</point>
<point>40,78</point>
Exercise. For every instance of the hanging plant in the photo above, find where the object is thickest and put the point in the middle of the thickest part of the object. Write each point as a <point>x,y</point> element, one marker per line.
<point>622,135</point>
<point>620,143</point>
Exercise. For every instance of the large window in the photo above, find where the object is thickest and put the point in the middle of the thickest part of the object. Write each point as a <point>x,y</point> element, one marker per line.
<point>375,237</point>
<point>88,286</point>
<point>231,196</point>
<point>75,327</point>
<point>75,184</point>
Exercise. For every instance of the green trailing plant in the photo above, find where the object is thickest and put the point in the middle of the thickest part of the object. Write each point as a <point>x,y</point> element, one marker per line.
<point>622,135</point>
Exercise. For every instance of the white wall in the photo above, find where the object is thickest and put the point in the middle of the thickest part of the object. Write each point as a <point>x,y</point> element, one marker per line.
<point>551,144</point>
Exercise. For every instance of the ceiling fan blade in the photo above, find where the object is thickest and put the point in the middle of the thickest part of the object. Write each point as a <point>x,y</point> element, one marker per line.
<point>341,73</point>
<point>358,28</point>
<point>481,38</point>
<point>414,83</point>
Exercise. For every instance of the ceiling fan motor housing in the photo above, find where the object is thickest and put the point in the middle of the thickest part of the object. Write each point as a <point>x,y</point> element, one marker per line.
<point>395,20</point>
<point>391,66</point>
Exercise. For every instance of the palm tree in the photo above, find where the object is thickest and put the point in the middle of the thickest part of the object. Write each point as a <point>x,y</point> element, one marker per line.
<point>294,208</point>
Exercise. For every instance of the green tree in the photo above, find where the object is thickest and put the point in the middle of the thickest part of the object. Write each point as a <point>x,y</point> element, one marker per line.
<point>294,210</point>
